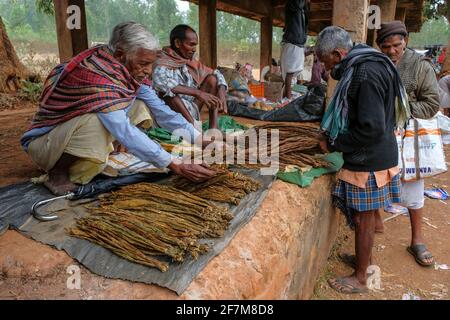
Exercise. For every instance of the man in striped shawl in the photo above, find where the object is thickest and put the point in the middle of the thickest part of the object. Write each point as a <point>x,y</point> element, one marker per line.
<point>99,97</point>
<point>186,84</point>
<point>368,104</point>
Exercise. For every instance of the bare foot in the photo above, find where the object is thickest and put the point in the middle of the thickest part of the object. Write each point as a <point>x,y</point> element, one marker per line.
<point>59,184</point>
<point>347,285</point>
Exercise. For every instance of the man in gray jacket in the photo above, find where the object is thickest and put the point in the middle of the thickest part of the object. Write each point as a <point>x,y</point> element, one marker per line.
<point>420,82</point>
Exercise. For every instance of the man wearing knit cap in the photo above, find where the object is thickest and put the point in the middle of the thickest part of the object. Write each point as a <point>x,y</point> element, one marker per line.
<point>421,85</point>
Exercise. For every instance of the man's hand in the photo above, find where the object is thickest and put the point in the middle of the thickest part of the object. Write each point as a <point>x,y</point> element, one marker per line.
<point>193,172</point>
<point>119,148</point>
<point>210,100</point>
<point>324,146</point>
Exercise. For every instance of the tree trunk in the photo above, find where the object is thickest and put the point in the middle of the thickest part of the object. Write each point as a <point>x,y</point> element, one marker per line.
<point>11,69</point>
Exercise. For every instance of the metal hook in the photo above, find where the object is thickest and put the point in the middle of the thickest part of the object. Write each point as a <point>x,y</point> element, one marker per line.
<point>47,218</point>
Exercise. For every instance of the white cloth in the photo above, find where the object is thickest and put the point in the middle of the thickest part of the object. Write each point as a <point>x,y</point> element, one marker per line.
<point>264,71</point>
<point>412,194</point>
<point>292,59</point>
<point>306,73</point>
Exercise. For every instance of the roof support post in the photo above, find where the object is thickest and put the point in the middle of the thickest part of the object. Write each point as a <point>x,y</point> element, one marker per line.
<point>266,41</point>
<point>208,32</point>
<point>71,28</point>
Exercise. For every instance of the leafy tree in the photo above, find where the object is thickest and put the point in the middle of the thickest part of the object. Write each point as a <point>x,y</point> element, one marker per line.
<point>45,6</point>
<point>437,8</point>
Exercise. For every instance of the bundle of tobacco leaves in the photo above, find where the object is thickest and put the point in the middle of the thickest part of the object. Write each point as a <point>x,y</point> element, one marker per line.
<point>227,187</point>
<point>298,144</point>
<point>143,221</point>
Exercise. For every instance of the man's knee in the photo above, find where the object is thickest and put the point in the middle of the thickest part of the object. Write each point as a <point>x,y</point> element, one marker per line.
<point>140,115</point>
<point>211,80</point>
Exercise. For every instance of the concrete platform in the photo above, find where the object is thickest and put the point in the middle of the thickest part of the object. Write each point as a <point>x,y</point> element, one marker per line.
<point>278,255</point>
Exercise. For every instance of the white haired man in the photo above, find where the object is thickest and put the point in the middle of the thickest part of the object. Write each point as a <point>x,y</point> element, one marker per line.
<point>99,97</point>
<point>360,122</point>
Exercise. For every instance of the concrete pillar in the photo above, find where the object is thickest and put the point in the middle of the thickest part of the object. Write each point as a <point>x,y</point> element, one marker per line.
<point>70,42</point>
<point>266,41</point>
<point>208,32</point>
<point>388,10</point>
<point>352,16</point>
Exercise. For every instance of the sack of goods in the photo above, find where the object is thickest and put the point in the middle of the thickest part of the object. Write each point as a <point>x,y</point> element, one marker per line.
<point>421,151</point>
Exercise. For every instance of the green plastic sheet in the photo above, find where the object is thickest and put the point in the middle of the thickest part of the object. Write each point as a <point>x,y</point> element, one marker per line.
<point>305,179</point>
<point>226,124</point>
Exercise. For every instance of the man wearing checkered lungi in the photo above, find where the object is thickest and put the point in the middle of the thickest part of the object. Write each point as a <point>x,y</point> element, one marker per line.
<point>369,103</point>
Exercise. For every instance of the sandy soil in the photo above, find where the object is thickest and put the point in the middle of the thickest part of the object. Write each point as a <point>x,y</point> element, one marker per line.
<point>29,270</point>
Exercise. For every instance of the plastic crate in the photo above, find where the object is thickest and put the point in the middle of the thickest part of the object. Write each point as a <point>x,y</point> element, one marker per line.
<point>257,90</point>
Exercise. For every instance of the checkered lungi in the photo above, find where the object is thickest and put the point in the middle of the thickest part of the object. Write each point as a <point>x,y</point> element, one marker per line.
<point>351,199</point>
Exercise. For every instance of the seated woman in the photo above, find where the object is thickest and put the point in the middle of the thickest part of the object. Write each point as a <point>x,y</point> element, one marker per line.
<point>96,98</point>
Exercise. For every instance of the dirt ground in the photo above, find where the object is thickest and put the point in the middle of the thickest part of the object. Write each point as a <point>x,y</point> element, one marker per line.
<point>29,270</point>
<point>400,274</point>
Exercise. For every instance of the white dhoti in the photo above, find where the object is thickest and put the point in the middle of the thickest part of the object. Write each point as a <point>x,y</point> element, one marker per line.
<point>292,59</point>
<point>86,138</point>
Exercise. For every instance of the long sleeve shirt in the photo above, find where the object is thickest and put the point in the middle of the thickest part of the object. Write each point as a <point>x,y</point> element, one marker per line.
<point>137,142</point>
<point>369,145</point>
<point>444,91</point>
<point>421,85</point>
<point>297,19</point>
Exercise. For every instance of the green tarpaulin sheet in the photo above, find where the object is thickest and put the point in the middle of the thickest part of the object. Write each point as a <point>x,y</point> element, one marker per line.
<point>305,179</point>
<point>226,124</point>
<point>163,135</point>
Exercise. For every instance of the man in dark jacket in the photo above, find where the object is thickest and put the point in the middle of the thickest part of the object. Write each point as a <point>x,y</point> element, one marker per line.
<point>360,122</point>
<point>294,39</point>
<point>421,85</point>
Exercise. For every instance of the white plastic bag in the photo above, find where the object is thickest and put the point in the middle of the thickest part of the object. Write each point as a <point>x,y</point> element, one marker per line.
<point>444,125</point>
<point>421,151</point>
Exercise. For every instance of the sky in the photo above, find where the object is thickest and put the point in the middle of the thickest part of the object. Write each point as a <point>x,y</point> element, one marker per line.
<point>182,5</point>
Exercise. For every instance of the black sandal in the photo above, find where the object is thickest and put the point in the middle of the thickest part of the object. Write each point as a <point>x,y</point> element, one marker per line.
<point>342,286</point>
<point>420,253</point>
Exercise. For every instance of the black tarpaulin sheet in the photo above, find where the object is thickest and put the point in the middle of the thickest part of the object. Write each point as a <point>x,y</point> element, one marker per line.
<point>308,108</point>
<point>15,207</point>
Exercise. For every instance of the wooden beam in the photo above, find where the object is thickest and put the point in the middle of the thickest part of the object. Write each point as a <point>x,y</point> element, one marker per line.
<point>244,8</point>
<point>400,14</point>
<point>70,42</point>
<point>266,42</point>
<point>320,11</point>
<point>262,8</point>
<point>278,3</point>
<point>208,32</point>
